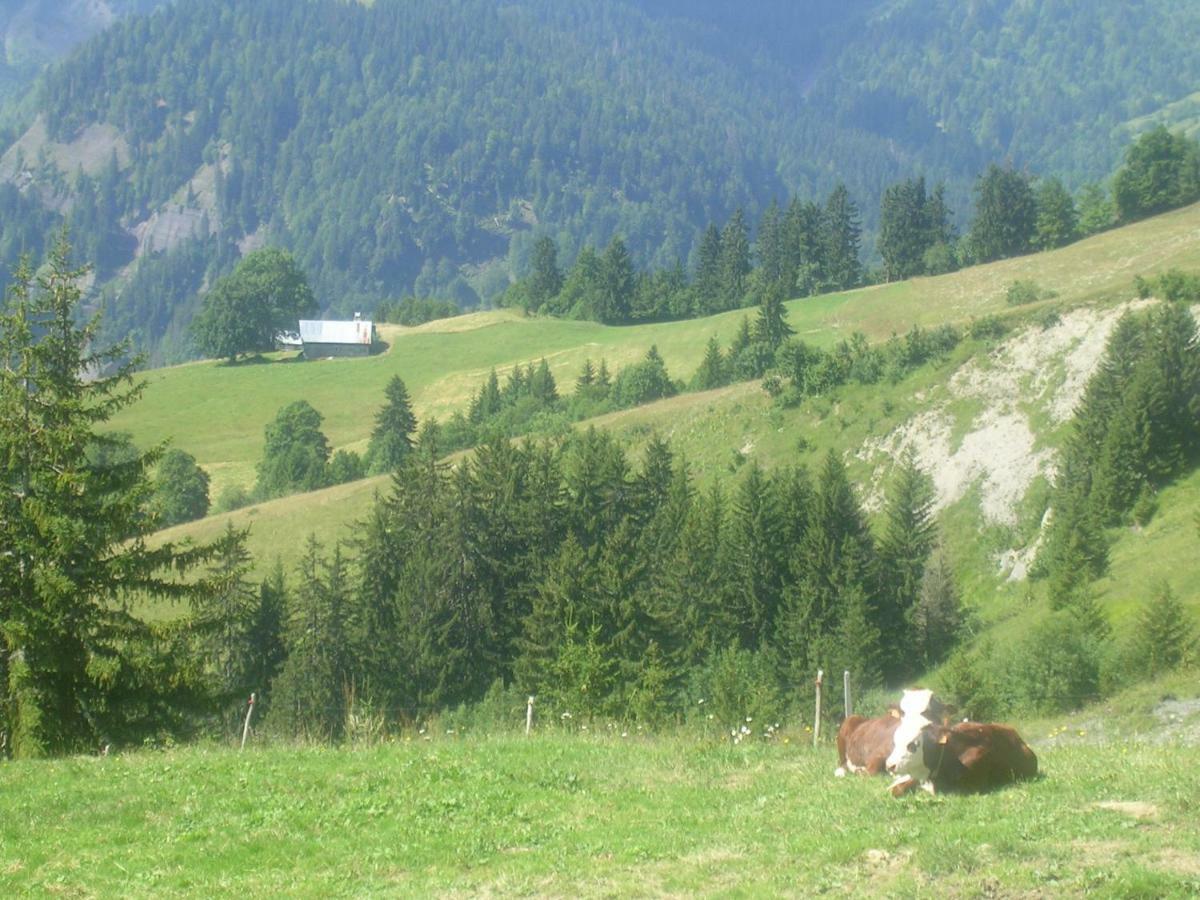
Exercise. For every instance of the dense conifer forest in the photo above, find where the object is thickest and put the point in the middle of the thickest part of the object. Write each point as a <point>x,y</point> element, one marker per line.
<point>406,148</point>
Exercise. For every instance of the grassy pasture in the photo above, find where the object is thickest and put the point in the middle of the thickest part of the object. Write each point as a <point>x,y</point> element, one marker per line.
<point>582,815</point>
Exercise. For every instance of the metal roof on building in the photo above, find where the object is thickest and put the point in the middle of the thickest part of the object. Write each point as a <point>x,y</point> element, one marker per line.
<point>320,331</point>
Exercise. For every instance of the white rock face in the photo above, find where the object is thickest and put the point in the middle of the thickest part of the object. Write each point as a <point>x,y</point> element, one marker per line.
<point>1036,372</point>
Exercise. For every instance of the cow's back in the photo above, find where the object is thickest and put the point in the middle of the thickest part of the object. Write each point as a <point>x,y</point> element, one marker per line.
<point>981,756</point>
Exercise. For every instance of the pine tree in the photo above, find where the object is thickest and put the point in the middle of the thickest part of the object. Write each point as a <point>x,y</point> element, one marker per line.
<point>707,281</point>
<point>1005,215</point>
<point>392,437</point>
<point>772,248</point>
<point>1163,638</point>
<point>542,387</point>
<point>223,619</point>
<point>545,279</point>
<point>758,567</point>
<point>937,618</point>
<point>909,535</point>
<point>713,370</point>
<point>79,671</point>
<point>742,339</point>
<point>735,260</point>
<point>617,283</point>
<point>841,235</point>
<point>904,233</point>
<point>562,596</point>
<point>804,257</point>
<point>772,327</point>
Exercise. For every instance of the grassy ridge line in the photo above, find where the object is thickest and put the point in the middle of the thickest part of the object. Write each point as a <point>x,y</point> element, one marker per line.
<point>576,815</point>
<point>217,413</point>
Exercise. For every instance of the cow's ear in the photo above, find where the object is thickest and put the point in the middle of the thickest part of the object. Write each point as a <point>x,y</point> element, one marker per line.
<point>893,712</point>
<point>945,736</point>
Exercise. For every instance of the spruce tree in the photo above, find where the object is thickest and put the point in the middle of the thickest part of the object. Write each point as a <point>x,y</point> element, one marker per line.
<point>772,326</point>
<point>771,246</point>
<point>804,258</point>
<point>904,234</point>
<point>392,437</point>
<point>937,619</point>
<point>735,260</point>
<point>841,235</point>
<point>758,565</point>
<point>79,671</point>
<point>617,281</point>
<point>545,279</point>
<point>223,619</point>
<point>713,371</point>
<point>1005,214</point>
<point>706,284</point>
<point>909,534</point>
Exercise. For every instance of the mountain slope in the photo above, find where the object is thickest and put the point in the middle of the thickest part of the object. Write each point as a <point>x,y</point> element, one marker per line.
<point>986,422</point>
<point>414,146</point>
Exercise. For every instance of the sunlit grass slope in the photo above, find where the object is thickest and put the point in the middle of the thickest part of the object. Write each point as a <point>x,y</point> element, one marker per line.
<point>574,815</point>
<point>218,412</point>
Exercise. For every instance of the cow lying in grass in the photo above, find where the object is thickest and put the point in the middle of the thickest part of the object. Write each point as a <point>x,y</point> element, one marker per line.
<point>864,744</point>
<point>967,757</point>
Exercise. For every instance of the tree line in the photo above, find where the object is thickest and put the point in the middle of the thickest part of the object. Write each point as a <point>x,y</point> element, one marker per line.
<point>809,248</point>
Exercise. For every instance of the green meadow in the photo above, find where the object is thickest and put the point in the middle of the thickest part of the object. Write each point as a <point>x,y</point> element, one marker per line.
<point>217,412</point>
<point>602,815</point>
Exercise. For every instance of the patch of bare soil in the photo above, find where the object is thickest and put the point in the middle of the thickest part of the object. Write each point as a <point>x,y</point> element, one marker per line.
<point>1137,809</point>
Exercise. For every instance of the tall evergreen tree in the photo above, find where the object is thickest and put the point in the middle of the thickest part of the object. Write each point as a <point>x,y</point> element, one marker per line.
<point>706,284</point>
<point>758,566</point>
<point>903,229</point>
<point>841,235</point>
<point>735,260</point>
<point>617,281</point>
<point>771,248</point>
<point>545,279</point>
<point>1005,214</point>
<point>772,326</point>
<point>804,256</point>
<point>1163,638</point>
<point>713,371</point>
<point>78,670</point>
<point>908,539</point>
<point>392,437</point>
<point>937,618</point>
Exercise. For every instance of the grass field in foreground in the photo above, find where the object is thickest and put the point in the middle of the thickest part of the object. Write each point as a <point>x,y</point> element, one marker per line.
<point>590,816</point>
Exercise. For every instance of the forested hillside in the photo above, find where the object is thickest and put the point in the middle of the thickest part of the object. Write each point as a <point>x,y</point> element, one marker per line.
<point>409,147</point>
<point>37,32</point>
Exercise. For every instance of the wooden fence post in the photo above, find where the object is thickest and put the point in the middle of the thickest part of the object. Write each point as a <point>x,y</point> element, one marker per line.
<point>846,691</point>
<point>529,716</point>
<point>817,718</point>
<point>246,727</point>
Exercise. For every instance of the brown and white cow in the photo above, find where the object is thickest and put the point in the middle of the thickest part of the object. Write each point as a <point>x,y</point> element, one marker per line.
<point>968,756</point>
<point>864,744</point>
